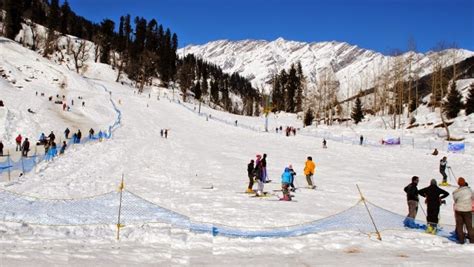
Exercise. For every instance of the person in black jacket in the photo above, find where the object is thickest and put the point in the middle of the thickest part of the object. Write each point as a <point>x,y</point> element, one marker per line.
<point>251,175</point>
<point>25,148</point>
<point>78,136</point>
<point>433,195</point>
<point>442,169</point>
<point>412,197</point>
<point>1,149</point>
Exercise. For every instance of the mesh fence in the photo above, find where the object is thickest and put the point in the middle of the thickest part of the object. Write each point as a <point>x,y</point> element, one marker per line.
<point>27,164</point>
<point>104,209</point>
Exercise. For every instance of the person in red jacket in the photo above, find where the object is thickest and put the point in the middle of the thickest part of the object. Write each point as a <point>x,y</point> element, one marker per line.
<point>18,142</point>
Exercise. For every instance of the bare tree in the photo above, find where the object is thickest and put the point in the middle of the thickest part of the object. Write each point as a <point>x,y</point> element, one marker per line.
<point>80,53</point>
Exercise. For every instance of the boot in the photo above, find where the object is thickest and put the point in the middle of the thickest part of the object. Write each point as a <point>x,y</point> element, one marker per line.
<point>249,191</point>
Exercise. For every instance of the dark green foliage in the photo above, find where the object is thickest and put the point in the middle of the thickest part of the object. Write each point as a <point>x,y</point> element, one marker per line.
<point>106,36</point>
<point>13,18</point>
<point>470,101</point>
<point>65,18</point>
<point>357,112</point>
<point>308,117</point>
<point>287,94</point>
<point>453,104</point>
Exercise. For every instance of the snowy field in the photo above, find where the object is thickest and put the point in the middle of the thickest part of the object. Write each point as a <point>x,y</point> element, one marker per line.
<point>176,173</point>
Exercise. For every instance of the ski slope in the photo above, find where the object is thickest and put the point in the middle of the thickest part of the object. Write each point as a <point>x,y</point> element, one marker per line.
<point>176,173</point>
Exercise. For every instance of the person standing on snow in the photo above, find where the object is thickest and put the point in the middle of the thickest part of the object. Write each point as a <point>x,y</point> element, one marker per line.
<point>309,168</point>
<point>463,200</point>
<point>25,148</point>
<point>259,175</point>
<point>251,175</point>
<point>442,169</point>
<point>91,133</point>
<point>285,183</point>
<point>412,200</point>
<point>78,136</point>
<point>1,149</point>
<point>325,143</point>
<point>66,133</point>
<point>433,197</point>
<point>264,169</point>
<point>18,142</point>
<point>63,148</point>
<point>51,136</point>
<point>361,140</point>
<point>293,174</point>
<point>166,133</point>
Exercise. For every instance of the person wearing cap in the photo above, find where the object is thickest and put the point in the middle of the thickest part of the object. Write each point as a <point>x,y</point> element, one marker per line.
<point>433,197</point>
<point>309,171</point>
<point>463,199</point>
<point>412,200</point>
<point>442,169</point>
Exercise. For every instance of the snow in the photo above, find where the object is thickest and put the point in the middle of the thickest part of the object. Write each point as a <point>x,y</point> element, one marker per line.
<point>198,153</point>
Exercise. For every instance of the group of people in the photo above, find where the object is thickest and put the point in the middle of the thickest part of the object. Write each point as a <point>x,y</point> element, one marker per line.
<point>257,172</point>
<point>289,130</point>
<point>434,198</point>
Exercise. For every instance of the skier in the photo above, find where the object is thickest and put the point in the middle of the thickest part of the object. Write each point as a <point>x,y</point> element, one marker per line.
<point>309,172</point>
<point>292,182</point>
<point>63,148</point>
<point>264,169</point>
<point>433,197</point>
<point>285,183</point>
<point>324,143</point>
<point>463,199</point>
<point>18,142</point>
<point>251,175</point>
<point>259,175</point>
<point>66,133</point>
<point>78,136</point>
<point>412,200</point>
<point>51,136</point>
<point>1,149</point>
<point>25,148</point>
<point>442,169</point>
<point>91,133</point>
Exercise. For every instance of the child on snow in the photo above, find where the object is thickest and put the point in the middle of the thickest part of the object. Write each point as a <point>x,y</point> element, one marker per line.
<point>286,178</point>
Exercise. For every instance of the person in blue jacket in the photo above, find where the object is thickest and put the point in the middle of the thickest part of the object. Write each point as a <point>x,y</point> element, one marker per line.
<point>286,178</point>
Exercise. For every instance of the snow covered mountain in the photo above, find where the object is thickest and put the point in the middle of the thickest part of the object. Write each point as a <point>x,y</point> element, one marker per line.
<point>355,68</point>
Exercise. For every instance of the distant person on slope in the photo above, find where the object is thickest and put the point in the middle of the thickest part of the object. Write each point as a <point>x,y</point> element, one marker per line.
<point>1,149</point>
<point>166,133</point>
<point>361,139</point>
<point>63,148</point>
<point>292,182</point>
<point>463,200</point>
<point>435,152</point>
<point>18,142</point>
<point>442,169</point>
<point>264,169</point>
<point>78,136</point>
<point>91,133</point>
<point>66,133</point>
<point>259,175</point>
<point>325,143</point>
<point>285,183</point>
<point>51,136</point>
<point>309,168</point>
<point>251,175</point>
<point>412,200</point>
<point>25,148</point>
<point>433,198</point>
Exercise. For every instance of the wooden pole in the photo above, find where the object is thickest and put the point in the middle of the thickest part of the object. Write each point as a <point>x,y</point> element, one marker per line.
<point>120,209</point>
<point>379,237</point>
<point>9,168</point>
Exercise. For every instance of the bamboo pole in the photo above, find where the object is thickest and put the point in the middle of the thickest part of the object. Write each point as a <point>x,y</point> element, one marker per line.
<point>379,237</point>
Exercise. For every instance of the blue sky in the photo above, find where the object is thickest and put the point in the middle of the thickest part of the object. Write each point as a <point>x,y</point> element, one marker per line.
<point>381,25</point>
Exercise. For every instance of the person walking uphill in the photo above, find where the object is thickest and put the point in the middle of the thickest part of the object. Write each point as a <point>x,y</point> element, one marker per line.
<point>433,197</point>
<point>412,201</point>
<point>442,169</point>
<point>285,183</point>
<point>463,199</point>
<point>251,175</point>
<point>309,167</point>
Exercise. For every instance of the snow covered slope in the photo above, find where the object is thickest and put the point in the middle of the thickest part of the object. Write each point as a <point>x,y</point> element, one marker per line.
<point>178,172</point>
<point>354,67</point>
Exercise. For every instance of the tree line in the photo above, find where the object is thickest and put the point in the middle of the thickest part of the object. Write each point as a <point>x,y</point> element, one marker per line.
<point>140,48</point>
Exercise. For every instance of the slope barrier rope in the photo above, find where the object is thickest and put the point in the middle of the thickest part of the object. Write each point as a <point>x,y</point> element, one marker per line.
<point>353,139</point>
<point>27,164</point>
<point>134,211</point>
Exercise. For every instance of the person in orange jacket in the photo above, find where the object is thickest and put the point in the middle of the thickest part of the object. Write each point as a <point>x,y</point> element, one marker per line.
<point>309,168</point>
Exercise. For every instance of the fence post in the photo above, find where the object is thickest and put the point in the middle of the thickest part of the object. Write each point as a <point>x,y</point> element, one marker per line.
<point>9,164</point>
<point>120,209</point>
<point>413,142</point>
<point>379,237</point>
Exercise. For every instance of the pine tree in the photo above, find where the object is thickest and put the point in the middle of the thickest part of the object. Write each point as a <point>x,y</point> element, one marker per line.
<point>308,117</point>
<point>106,32</point>
<point>53,16</point>
<point>453,104</point>
<point>470,101</point>
<point>357,113</point>
<point>299,90</point>
<point>13,18</point>
<point>197,91</point>
<point>65,18</point>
